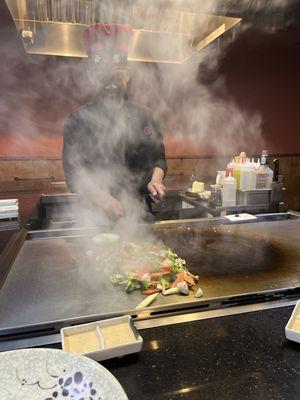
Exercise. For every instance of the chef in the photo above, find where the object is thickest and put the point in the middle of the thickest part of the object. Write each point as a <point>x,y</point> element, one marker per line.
<point>112,145</point>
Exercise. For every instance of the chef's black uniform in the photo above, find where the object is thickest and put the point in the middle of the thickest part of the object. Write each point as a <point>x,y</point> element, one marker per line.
<point>126,143</point>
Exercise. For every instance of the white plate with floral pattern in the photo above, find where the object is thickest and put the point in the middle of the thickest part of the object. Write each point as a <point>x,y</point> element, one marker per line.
<point>49,374</point>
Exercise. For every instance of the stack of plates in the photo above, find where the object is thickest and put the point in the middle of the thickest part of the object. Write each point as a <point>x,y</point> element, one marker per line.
<point>9,209</point>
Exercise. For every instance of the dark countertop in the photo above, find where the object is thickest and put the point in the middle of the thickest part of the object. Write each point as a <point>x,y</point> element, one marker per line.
<point>243,356</point>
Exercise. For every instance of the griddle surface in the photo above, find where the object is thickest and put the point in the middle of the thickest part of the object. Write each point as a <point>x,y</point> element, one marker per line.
<point>53,279</point>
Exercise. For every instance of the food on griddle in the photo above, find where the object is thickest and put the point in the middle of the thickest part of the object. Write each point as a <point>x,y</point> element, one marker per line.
<point>173,290</point>
<point>149,300</point>
<point>165,271</point>
<point>183,287</point>
<point>199,293</point>
<point>150,268</point>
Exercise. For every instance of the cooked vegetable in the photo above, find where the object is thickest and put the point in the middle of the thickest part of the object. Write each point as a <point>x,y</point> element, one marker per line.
<point>147,301</point>
<point>144,285</point>
<point>183,287</point>
<point>199,293</point>
<point>117,279</point>
<point>148,273</point>
<point>151,291</point>
<point>180,278</point>
<point>165,284</point>
<point>166,268</point>
<point>154,283</point>
<point>146,277</point>
<point>159,274</point>
<point>130,286</point>
<point>173,290</point>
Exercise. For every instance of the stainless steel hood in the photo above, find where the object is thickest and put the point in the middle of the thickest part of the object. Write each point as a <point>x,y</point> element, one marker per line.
<point>54,27</point>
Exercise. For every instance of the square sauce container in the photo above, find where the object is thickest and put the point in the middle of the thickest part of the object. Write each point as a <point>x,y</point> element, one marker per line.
<point>101,340</point>
<point>292,329</point>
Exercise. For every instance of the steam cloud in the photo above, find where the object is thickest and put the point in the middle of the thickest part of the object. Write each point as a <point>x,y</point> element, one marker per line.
<point>187,107</point>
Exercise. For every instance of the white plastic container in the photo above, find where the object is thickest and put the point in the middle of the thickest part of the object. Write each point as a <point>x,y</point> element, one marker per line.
<point>264,178</point>
<point>292,329</point>
<point>229,192</point>
<point>102,340</point>
<point>248,177</point>
<point>220,178</point>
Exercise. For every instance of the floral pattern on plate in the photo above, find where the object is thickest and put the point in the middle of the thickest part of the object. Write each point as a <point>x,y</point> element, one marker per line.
<point>48,374</point>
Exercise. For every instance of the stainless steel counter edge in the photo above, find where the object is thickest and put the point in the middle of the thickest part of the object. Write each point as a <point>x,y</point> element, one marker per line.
<point>50,340</point>
<point>197,316</point>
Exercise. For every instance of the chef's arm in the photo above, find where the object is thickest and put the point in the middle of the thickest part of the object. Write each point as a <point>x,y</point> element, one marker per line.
<point>155,187</point>
<point>159,154</point>
<point>158,174</point>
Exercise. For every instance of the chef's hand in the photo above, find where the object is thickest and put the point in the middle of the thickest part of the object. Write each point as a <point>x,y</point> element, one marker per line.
<point>157,190</point>
<point>113,208</point>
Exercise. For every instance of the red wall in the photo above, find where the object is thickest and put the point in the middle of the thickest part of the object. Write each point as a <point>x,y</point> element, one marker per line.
<point>261,73</point>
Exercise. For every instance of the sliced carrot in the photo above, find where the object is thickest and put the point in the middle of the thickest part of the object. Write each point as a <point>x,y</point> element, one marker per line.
<point>189,280</point>
<point>183,277</point>
<point>141,274</point>
<point>159,274</point>
<point>166,267</point>
<point>154,283</point>
<point>151,291</point>
<point>156,275</point>
<point>180,278</point>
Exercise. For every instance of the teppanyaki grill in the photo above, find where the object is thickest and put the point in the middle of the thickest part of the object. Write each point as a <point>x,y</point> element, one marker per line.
<point>51,282</point>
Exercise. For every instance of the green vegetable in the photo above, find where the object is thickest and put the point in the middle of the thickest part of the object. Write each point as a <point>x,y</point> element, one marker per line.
<point>164,283</point>
<point>117,279</point>
<point>130,286</point>
<point>144,285</point>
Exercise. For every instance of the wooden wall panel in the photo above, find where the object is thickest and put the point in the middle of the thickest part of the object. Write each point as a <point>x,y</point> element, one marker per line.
<point>34,173</point>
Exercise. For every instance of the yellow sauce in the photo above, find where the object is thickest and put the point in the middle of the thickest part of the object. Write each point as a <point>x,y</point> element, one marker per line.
<point>296,325</point>
<point>115,335</point>
<point>237,176</point>
<point>84,342</point>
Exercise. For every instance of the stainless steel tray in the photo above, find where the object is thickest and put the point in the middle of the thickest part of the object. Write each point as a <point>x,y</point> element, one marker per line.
<point>253,197</point>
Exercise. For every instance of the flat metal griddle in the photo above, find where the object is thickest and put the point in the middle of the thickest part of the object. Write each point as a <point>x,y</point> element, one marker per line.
<point>52,279</point>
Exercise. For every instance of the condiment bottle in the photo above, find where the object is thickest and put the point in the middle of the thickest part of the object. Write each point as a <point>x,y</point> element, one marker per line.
<point>216,197</point>
<point>193,176</point>
<point>237,173</point>
<point>264,177</point>
<point>264,159</point>
<point>229,168</point>
<point>229,192</point>
<point>220,177</point>
<point>248,176</point>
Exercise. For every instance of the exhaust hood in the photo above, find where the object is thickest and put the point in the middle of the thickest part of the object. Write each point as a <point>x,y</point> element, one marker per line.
<point>164,35</point>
